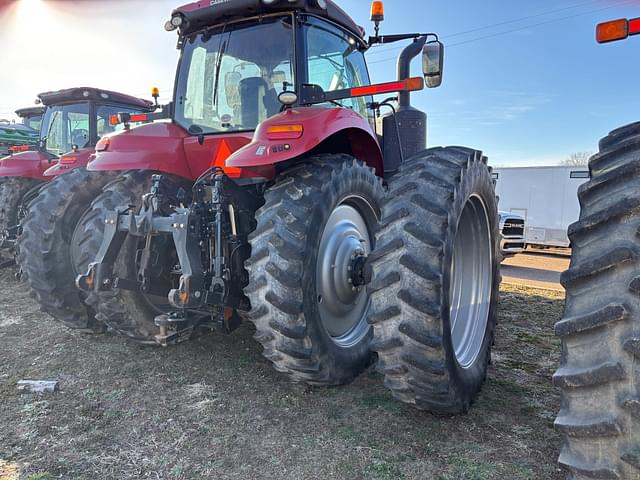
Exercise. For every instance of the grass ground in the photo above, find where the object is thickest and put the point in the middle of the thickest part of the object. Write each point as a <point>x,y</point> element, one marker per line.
<point>214,408</point>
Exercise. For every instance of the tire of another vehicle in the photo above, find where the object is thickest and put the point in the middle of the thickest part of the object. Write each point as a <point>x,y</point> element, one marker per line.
<point>12,191</point>
<point>599,370</point>
<point>436,265</point>
<point>47,244</point>
<point>308,318</point>
<point>127,313</point>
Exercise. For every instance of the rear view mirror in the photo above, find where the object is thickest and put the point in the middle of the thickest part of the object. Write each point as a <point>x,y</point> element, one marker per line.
<point>433,63</point>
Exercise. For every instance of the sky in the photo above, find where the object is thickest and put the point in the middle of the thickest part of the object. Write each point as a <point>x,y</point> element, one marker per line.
<point>524,80</point>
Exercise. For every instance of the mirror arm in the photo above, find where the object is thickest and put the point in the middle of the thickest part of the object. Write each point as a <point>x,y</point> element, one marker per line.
<point>385,39</point>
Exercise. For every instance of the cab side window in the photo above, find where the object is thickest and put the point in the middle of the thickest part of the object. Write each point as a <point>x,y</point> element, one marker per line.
<point>335,63</point>
<point>104,113</point>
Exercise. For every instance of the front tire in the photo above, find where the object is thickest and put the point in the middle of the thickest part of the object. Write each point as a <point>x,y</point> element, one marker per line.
<point>436,279</point>
<point>310,313</point>
<point>48,242</point>
<point>599,372</point>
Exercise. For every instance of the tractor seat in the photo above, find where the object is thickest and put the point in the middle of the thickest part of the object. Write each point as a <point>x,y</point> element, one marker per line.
<point>252,108</point>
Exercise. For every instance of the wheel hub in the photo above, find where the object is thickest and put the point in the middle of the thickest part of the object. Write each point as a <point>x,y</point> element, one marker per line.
<point>342,273</point>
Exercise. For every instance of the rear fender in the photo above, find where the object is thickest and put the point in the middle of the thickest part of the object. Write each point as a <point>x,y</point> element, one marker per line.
<point>69,161</point>
<point>30,164</point>
<point>155,146</point>
<point>325,130</point>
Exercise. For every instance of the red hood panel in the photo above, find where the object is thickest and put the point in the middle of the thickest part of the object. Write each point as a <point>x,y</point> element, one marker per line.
<point>31,164</point>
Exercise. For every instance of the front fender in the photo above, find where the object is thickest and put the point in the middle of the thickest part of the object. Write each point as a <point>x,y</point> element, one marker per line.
<point>30,164</point>
<point>319,125</point>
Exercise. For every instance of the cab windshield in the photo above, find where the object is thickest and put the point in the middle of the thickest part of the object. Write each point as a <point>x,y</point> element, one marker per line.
<point>230,78</point>
<point>64,126</point>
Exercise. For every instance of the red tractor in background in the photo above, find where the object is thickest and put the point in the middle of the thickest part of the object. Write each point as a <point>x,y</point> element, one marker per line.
<point>268,194</point>
<point>73,121</point>
<point>600,373</point>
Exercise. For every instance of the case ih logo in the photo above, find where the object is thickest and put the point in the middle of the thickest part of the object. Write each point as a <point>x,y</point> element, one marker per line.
<point>217,2</point>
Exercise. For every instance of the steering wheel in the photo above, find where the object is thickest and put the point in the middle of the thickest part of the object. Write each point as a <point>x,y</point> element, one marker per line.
<point>80,137</point>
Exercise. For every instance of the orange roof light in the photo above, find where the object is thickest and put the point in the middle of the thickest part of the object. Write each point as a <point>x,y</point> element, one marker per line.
<point>612,31</point>
<point>155,92</point>
<point>377,11</point>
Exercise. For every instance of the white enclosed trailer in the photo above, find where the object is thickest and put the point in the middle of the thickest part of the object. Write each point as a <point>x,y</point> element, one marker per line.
<point>547,198</point>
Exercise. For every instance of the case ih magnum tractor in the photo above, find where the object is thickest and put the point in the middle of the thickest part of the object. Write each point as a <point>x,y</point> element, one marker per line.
<point>600,373</point>
<point>74,120</point>
<point>268,193</point>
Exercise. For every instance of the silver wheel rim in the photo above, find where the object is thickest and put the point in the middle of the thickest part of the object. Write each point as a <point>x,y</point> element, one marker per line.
<point>471,285</point>
<point>341,305</point>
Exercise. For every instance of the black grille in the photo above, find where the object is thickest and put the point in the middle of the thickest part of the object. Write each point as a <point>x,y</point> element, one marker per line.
<point>513,228</point>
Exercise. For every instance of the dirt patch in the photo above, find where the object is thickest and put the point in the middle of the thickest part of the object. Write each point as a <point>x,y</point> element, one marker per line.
<point>214,408</point>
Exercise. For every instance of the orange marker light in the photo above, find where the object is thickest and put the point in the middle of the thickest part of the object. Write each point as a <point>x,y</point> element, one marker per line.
<point>103,144</point>
<point>377,11</point>
<point>113,120</point>
<point>612,31</point>
<point>284,132</point>
<point>409,85</point>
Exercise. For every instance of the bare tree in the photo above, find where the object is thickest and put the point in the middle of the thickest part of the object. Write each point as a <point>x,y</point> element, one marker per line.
<point>578,159</point>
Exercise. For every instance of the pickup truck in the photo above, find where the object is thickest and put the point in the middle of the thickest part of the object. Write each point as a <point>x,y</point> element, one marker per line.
<point>512,239</point>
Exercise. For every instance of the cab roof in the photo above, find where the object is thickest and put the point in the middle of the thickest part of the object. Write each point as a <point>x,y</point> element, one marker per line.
<point>202,14</point>
<point>30,112</point>
<point>88,93</point>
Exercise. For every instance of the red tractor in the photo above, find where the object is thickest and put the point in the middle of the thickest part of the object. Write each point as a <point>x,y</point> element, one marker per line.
<point>73,121</point>
<point>599,373</point>
<point>268,194</point>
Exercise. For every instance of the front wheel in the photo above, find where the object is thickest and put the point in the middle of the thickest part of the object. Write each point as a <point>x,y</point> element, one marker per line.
<point>436,277</point>
<point>307,269</point>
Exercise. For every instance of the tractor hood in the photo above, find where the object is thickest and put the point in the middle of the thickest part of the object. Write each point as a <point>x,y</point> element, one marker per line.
<point>164,147</point>
<point>31,164</point>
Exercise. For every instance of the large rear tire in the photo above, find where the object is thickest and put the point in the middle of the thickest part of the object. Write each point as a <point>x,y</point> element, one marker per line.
<point>436,279</point>
<point>126,312</point>
<point>48,247</point>
<point>310,315</point>
<point>599,372</point>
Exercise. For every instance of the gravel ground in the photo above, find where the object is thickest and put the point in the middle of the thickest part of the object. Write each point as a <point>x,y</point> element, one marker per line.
<point>214,408</point>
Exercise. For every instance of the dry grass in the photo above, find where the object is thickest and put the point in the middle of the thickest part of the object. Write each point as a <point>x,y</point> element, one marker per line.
<point>214,408</point>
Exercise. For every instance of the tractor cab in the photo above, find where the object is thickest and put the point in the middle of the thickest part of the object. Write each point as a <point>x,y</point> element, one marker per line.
<point>262,82</point>
<point>31,117</point>
<point>73,120</point>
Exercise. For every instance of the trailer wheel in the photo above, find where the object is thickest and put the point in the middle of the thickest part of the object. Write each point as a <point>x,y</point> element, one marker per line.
<point>47,247</point>
<point>12,192</point>
<point>599,372</point>
<point>309,299</point>
<point>436,279</point>
<point>127,313</point>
